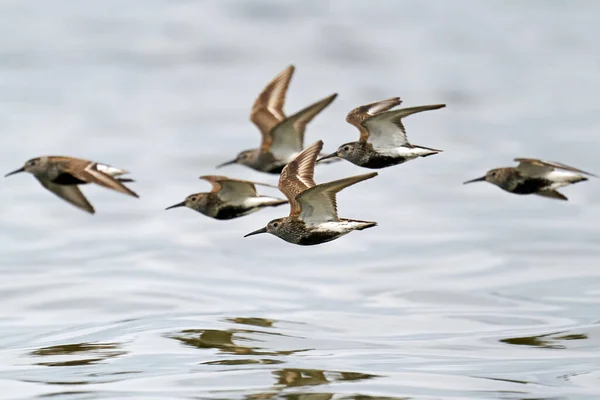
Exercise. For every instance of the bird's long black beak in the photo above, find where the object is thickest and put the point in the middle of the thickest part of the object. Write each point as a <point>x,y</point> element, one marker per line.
<point>227,163</point>
<point>256,232</point>
<point>182,204</point>
<point>22,169</point>
<point>475,180</point>
<point>327,156</point>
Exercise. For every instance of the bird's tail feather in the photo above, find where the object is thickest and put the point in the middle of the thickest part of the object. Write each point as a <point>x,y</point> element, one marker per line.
<point>366,224</point>
<point>433,151</point>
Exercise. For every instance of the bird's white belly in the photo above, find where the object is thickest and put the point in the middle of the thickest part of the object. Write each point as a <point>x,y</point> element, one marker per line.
<point>284,155</point>
<point>288,157</point>
<point>397,152</point>
<point>342,227</point>
<point>564,177</point>
<point>251,202</point>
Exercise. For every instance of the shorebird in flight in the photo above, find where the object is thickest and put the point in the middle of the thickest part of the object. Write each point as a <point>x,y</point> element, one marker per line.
<point>383,142</point>
<point>282,136</point>
<point>63,175</point>
<point>313,215</point>
<point>533,176</point>
<point>228,199</point>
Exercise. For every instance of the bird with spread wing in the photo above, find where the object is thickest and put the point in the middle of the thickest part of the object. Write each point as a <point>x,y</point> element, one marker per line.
<point>533,176</point>
<point>313,215</point>
<point>382,142</point>
<point>229,198</point>
<point>63,175</point>
<point>282,136</point>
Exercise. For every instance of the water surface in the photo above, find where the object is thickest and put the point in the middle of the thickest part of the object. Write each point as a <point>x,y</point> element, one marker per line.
<point>461,292</point>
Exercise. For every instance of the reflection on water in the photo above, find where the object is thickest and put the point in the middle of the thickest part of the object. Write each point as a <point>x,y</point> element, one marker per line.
<point>363,397</point>
<point>251,342</point>
<point>547,341</point>
<point>290,396</point>
<point>321,396</point>
<point>308,377</point>
<point>137,303</point>
<point>243,361</point>
<point>228,341</point>
<point>70,395</point>
<point>78,354</point>
<point>298,377</point>
<point>262,322</point>
<point>520,382</point>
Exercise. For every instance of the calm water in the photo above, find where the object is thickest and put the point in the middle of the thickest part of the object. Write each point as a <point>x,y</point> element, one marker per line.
<point>462,292</point>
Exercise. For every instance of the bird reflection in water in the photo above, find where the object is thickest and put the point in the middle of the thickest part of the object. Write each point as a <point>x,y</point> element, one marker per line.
<point>78,353</point>
<point>555,340</point>
<point>253,321</point>
<point>299,377</point>
<point>318,396</point>
<point>291,377</point>
<point>227,341</point>
<point>244,342</point>
<point>230,341</point>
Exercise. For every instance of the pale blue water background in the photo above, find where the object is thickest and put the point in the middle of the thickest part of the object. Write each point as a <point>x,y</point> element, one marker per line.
<point>462,292</point>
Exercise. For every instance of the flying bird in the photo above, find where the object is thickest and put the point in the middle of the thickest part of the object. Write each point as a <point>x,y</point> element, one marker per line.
<point>533,176</point>
<point>313,215</point>
<point>228,199</point>
<point>282,136</point>
<point>383,142</point>
<point>63,175</point>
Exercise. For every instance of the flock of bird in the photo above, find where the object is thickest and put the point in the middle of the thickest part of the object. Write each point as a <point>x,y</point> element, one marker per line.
<point>313,217</point>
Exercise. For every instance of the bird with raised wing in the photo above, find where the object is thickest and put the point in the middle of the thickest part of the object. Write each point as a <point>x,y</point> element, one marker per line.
<point>63,175</point>
<point>533,176</point>
<point>282,136</point>
<point>228,199</point>
<point>313,215</point>
<point>383,142</point>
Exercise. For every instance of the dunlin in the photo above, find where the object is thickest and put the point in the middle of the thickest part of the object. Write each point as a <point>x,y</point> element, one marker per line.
<point>382,141</point>
<point>313,215</point>
<point>63,175</point>
<point>282,136</point>
<point>534,176</point>
<point>229,198</point>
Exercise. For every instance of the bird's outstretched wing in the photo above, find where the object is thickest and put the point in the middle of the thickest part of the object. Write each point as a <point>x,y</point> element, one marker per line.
<point>69,193</point>
<point>229,189</point>
<point>552,194</point>
<point>298,175</point>
<point>93,172</point>
<point>360,114</point>
<point>387,130</point>
<point>267,110</point>
<point>287,137</point>
<point>534,167</point>
<point>318,203</point>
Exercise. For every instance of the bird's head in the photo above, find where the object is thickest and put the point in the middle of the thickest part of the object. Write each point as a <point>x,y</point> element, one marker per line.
<point>345,151</point>
<point>193,201</point>
<point>494,176</point>
<point>32,166</point>
<point>275,227</point>
<point>245,157</point>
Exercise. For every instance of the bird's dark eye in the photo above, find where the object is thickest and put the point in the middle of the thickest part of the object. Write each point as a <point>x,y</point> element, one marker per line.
<point>193,199</point>
<point>347,148</point>
<point>275,224</point>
